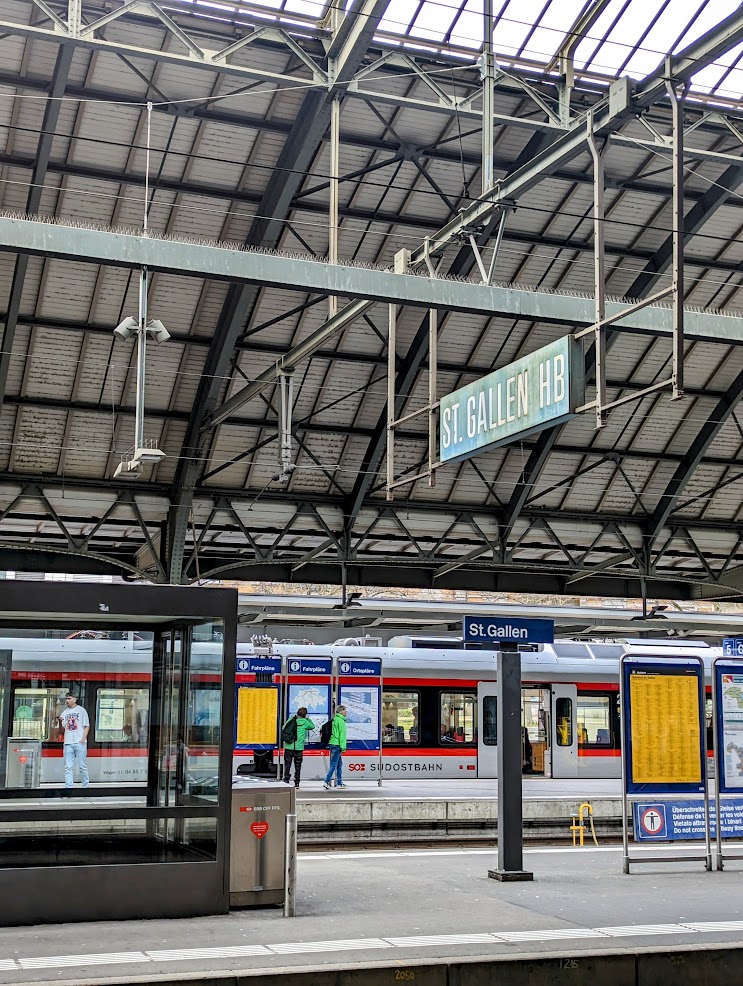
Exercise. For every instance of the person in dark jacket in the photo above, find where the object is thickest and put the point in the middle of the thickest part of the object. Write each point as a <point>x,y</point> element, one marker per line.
<point>294,752</point>
<point>336,746</point>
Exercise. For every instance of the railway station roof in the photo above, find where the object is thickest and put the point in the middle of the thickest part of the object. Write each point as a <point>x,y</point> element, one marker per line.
<point>213,119</point>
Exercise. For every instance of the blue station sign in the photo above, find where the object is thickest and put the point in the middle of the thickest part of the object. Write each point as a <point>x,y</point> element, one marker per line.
<point>669,821</point>
<point>360,668</point>
<point>732,647</point>
<point>507,630</point>
<point>530,394</point>
<point>258,665</point>
<point>310,665</point>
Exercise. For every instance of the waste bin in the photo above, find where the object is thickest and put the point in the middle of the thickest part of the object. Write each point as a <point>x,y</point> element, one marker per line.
<point>258,845</point>
<point>23,764</point>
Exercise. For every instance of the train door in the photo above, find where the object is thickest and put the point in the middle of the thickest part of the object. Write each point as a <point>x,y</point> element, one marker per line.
<point>487,748</point>
<point>5,666</point>
<point>563,731</point>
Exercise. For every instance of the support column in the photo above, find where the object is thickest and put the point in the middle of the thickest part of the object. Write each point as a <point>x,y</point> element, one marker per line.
<point>391,376</point>
<point>677,170</point>
<point>510,815</point>
<point>488,95</point>
<point>333,211</point>
<point>599,270</point>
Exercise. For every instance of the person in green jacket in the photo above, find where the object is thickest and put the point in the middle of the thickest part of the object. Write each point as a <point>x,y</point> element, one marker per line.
<point>336,746</point>
<point>294,752</point>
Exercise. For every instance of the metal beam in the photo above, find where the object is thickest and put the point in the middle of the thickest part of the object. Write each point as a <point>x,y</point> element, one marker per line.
<point>253,267</point>
<point>702,210</point>
<point>295,160</point>
<point>33,202</point>
<point>696,452</point>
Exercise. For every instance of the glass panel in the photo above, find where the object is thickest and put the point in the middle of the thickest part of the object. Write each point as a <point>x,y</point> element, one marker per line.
<point>458,717</point>
<point>400,718</point>
<point>490,720</point>
<point>203,714</point>
<point>109,673</point>
<point>594,720</point>
<point>564,721</point>
<point>122,716</point>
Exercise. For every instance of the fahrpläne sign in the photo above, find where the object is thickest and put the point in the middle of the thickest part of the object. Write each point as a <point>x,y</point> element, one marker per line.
<point>534,392</point>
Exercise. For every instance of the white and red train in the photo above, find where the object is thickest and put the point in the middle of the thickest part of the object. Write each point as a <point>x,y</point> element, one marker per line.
<point>438,709</point>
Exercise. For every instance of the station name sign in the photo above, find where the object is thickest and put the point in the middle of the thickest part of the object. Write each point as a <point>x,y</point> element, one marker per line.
<point>507,630</point>
<point>530,394</point>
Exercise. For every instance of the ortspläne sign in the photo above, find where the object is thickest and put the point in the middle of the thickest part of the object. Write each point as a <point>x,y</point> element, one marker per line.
<point>532,393</point>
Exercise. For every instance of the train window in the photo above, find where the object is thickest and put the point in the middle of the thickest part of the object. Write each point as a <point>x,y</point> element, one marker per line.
<point>36,712</point>
<point>121,716</point>
<point>489,720</point>
<point>564,721</point>
<point>400,718</point>
<point>458,717</point>
<point>594,720</point>
<point>205,716</point>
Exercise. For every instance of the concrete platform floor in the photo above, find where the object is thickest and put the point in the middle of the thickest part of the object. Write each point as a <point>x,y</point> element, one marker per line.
<point>406,907</point>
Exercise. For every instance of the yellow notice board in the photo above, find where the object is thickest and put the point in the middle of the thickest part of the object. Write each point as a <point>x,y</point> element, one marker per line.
<point>257,710</point>
<point>666,728</point>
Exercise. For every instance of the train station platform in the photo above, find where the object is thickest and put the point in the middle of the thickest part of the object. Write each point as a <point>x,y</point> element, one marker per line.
<point>455,809</point>
<point>424,916</point>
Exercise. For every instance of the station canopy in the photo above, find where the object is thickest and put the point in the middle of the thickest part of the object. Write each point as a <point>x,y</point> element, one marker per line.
<point>216,120</point>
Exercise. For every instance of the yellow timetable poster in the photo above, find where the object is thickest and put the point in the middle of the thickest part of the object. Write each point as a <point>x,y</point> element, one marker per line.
<point>666,737</point>
<point>257,709</point>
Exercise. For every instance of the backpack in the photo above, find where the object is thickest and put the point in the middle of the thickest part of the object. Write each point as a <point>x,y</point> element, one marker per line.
<point>289,732</point>
<point>325,732</point>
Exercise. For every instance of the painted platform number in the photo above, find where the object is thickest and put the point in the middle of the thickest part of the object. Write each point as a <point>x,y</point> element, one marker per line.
<point>404,975</point>
<point>568,963</point>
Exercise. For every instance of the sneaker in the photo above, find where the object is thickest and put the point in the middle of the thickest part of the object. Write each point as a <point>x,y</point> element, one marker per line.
<point>342,786</point>
<point>326,785</point>
<point>297,785</point>
<point>286,780</point>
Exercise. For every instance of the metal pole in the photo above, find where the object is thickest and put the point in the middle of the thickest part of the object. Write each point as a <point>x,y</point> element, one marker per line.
<point>290,867</point>
<point>623,758</point>
<point>391,370</point>
<point>677,169</point>
<point>599,270</point>
<point>488,96</point>
<point>510,820</point>
<point>433,356</point>
<point>381,707</point>
<point>333,217</point>
<point>717,762</point>
<point>707,838</point>
<point>141,357</point>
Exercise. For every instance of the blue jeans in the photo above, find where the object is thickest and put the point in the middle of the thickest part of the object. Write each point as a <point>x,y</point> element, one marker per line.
<point>73,752</point>
<point>336,765</point>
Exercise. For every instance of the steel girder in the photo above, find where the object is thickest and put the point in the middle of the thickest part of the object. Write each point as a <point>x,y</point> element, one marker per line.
<point>38,180</point>
<point>622,104</point>
<point>246,269</point>
<point>348,49</point>
<point>390,546</point>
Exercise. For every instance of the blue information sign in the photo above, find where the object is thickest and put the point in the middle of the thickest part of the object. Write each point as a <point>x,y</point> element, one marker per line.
<point>728,685</point>
<point>360,668</point>
<point>507,630</point>
<point>658,821</point>
<point>732,647</point>
<point>310,665</point>
<point>258,665</point>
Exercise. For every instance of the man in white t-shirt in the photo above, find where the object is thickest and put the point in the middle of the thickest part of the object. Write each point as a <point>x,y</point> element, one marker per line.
<point>76,725</point>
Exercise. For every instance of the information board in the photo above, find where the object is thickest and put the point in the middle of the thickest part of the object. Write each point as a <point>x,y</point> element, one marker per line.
<point>663,722</point>
<point>257,716</point>
<point>667,821</point>
<point>729,703</point>
<point>362,715</point>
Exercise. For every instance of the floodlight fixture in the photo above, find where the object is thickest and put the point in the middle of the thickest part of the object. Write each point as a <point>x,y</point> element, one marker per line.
<point>126,329</point>
<point>158,331</point>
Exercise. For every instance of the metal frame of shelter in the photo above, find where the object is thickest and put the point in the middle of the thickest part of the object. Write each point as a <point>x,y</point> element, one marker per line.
<point>352,59</point>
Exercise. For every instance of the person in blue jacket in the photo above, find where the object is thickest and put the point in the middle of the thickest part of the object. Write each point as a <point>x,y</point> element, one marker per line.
<point>336,746</point>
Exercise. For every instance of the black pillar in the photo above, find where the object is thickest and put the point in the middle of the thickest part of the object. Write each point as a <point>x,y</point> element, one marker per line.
<point>510,822</point>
